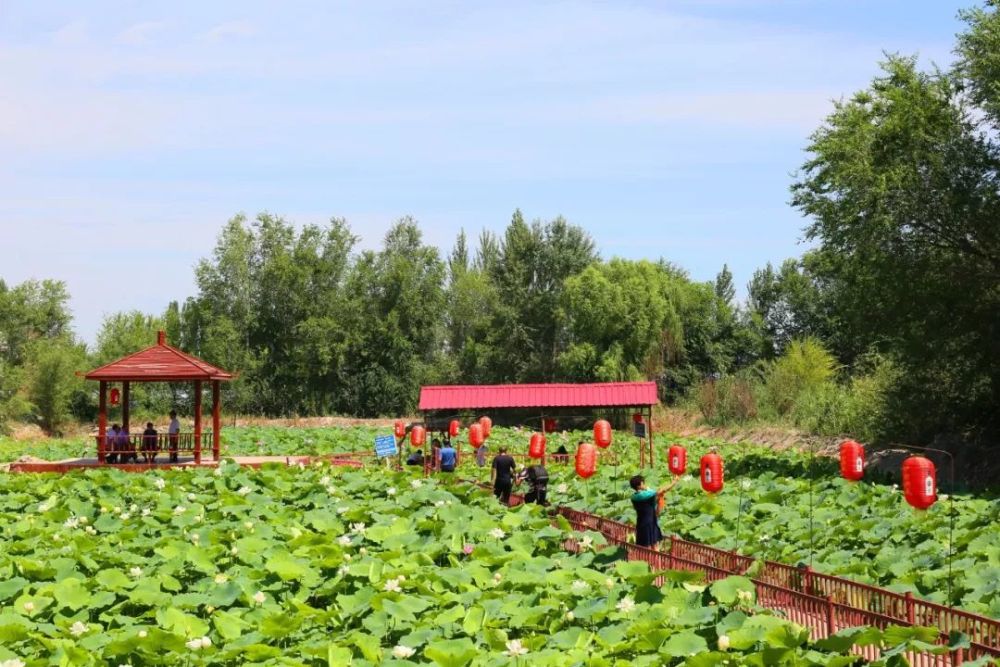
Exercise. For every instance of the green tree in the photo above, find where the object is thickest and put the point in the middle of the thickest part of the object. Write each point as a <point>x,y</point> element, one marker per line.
<point>53,388</point>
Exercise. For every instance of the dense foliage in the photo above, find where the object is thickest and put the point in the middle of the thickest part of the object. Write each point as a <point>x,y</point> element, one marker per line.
<point>320,566</point>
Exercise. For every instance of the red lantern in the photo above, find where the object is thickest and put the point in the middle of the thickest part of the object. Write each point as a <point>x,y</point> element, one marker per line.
<point>711,473</point>
<point>399,428</point>
<point>115,397</point>
<point>586,460</point>
<point>919,482</point>
<point>549,425</point>
<point>637,417</point>
<point>453,428</point>
<point>536,447</point>
<point>677,459</point>
<point>476,435</point>
<point>852,460</point>
<point>418,434</point>
<point>602,433</point>
<point>487,425</point>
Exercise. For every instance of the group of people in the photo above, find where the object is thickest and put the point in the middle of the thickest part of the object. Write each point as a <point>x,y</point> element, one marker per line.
<point>504,476</point>
<point>121,449</point>
<point>443,457</point>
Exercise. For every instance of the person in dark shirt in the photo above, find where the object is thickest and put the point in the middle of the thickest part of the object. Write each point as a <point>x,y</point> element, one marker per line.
<point>502,475</point>
<point>646,503</point>
<point>538,482</point>
<point>150,443</point>
<point>448,457</point>
<point>416,458</point>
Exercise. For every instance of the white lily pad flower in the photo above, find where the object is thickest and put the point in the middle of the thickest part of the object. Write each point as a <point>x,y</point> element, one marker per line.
<point>136,572</point>
<point>625,605</point>
<point>497,533</point>
<point>392,586</point>
<point>12,662</point>
<point>723,642</point>
<point>416,483</point>
<point>401,651</point>
<point>515,648</point>
<point>245,491</point>
<point>580,587</point>
<point>391,491</point>
<point>344,541</point>
<point>78,628</point>
<point>259,597</point>
<point>562,488</point>
<point>220,578</point>
<point>29,606</point>
<point>180,509</point>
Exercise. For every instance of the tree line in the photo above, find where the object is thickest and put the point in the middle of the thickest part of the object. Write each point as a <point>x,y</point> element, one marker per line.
<point>889,329</point>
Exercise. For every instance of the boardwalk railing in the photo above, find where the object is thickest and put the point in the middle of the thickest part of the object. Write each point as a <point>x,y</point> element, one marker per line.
<point>124,445</point>
<point>824,603</point>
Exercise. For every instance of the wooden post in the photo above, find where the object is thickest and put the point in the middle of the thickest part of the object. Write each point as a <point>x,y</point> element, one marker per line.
<point>216,419</point>
<point>831,623</point>
<point>126,385</point>
<point>197,422</point>
<point>102,421</point>
<point>649,436</point>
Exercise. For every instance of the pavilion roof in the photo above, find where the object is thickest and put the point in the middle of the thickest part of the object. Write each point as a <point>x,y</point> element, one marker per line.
<point>593,395</point>
<point>159,363</point>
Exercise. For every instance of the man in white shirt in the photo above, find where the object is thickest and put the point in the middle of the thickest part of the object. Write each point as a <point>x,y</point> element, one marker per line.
<point>173,435</point>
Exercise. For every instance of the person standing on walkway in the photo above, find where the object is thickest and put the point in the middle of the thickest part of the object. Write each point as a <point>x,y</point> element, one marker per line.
<point>502,475</point>
<point>173,435</point>
<point>646,503</point>
<point>449,457</point>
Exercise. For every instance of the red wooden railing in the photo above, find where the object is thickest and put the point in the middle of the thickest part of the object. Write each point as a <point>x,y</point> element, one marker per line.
<point>821,602</point>
<point>163,445</point>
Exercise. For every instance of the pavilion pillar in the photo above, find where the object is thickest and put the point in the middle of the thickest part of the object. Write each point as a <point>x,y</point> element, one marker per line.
<point>649,434</point>
<point>197,422</point>
<point>216,419</point>
<point>102,421</point>
<point>126,386</point>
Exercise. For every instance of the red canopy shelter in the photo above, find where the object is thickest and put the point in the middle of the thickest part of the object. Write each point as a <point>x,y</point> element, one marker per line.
<point>160,363</point>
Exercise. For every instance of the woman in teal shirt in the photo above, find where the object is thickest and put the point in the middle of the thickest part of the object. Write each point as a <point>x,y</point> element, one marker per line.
<point>646,501</point>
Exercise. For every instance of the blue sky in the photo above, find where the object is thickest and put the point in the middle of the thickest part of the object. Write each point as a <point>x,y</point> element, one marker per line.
<point>131,131</point>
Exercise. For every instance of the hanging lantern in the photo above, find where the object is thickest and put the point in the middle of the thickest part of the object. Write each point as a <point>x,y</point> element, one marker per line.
<point>586,460</point>
<point>399,428</point>
<point>115,397</point>
<point>602,433</point>
<point>677,459</point>
<point>476,435</point>
<point>418,434</point>
<point>536,447</point>
<point>550,425</point>
<point>637,417</point>
<point>487,425</point>
<point>453,428</point>
<point>711,473</point>
<point>919,482</point>
<point>852,460</point>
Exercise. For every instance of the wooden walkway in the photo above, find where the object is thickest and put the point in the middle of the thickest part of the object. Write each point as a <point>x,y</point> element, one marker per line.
<point>68,465</point>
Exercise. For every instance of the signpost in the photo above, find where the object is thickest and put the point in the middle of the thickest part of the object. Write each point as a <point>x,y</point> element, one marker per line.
<point>385,445</point>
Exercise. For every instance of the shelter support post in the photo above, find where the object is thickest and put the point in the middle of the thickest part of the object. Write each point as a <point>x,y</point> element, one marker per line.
<point>126,395</point>
<point>197,422</point>
<point>102,421</point>
<point>649,434</point>
<point>216,420</point>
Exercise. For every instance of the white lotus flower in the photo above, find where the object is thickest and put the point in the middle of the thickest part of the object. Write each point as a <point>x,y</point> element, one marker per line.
<point>136,572</point>
<point>220,578</point>
<point>391,491</point>
<point>205,642</point>
<point>626,605</point>
<point>342,509</point>
<point>562,488</point>
<point>579,587</point>
<point>514,648</point>
<point>71,522</point>
<point>143,634</point>
<point>180,509</point>
<point>192,497</point>
<point>344,541</point>
<point>610,583</point>
<point>199,643</point>
<point>160,483</point>
<point>746,484</point>
<point>91,531</point>
<point>416,484</point>
<point>195,537</point>
<point>744,596</point>
<point>362,551</point>
<point>117,510</point>
<point>401,651</point>
<point>84,520</point>
<point>259,597</point>
<point>29,606</point>
<point>126,516</point>
<point>439,503</point>
<point>497,577</point>
<point>586,542</point>
<point>570,616</point>
<point>347,556</point>
<point>145,511</point>
<point>324,480</point>
<point>42,508</point>
<point>245,491</point>
<point>218,471</point>
<point>392,586</point>
<point>13,662</point>
<point>497,533</point>
<point>723,642</point>
<point>78,629</point>
<point>358,528</point>
<point>342,570</point>
<point>248,525</point>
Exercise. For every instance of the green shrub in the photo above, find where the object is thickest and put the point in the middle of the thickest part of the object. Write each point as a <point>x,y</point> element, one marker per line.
<point>805,367</point>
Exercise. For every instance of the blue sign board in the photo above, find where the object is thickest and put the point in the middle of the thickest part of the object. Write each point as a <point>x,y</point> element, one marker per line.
<point>385,445</point>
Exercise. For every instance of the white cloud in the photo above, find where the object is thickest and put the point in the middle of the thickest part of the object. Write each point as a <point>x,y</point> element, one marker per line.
<point>140,33</point>
<point>223,31</point>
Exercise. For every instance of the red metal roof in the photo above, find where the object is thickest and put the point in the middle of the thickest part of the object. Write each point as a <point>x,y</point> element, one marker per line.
<point>159,363</point>
<point>596,395</point>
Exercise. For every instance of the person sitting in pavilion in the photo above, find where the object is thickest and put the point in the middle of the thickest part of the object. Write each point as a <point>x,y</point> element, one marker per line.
<point>150,443</point>
<point>126,450</point>
<point>111,443</point>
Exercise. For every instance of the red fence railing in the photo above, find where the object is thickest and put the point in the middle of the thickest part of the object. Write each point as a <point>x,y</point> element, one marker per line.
<point>824,603</point>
